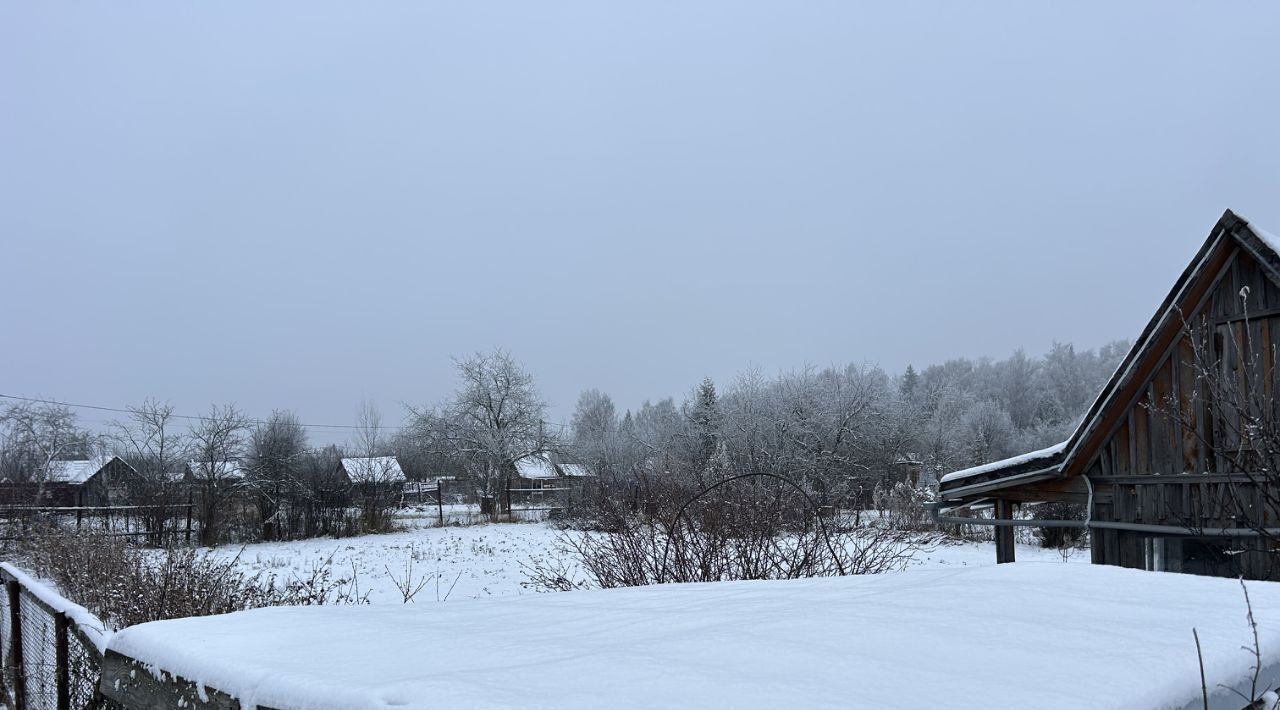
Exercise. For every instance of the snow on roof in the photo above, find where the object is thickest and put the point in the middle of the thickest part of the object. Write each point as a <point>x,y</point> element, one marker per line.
<point>76,471</point>
<point>1034,635</point>
<point>1047,453</point>
<point>1267,238</point>
<point>575,470</point>
<point>535,466</point>
<point>373,469</point>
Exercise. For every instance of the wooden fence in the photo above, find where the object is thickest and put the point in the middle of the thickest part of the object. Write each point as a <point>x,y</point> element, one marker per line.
<point>155,524</point>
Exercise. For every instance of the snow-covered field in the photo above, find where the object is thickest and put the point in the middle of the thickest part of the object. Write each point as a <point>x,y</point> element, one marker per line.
<point>487,560</point>
<point>1041,635</point>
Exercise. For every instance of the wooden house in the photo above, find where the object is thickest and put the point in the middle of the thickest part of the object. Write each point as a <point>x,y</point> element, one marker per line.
<point>101,481</point>
<point>1174,466</point>
<point>551,471</point>
<point>371,471</point>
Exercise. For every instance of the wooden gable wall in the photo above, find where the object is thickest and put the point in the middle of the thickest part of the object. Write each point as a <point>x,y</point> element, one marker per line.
<point>1148,437</point>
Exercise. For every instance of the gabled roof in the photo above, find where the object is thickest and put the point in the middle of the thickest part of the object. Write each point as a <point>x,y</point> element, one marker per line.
<point>78,472</point>
<point>373,469</point>
<point>549,465</point>
<point>575,470</point>
<point>1071,456</point>
<point>535,466</point>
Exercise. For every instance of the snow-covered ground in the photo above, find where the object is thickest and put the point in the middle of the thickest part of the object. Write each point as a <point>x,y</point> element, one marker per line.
<point>1040,635</point>
<point>488,560</point>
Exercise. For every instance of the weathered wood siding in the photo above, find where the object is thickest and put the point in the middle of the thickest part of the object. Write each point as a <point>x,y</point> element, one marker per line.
<point>1166,429</point>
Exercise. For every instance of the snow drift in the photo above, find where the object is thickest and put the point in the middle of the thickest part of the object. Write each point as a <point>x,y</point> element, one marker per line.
<point>1040,635</point>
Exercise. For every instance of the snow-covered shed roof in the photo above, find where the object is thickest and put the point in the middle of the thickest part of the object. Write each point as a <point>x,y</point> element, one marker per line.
<point>77,472</point>
<point>1069,457</point>
<point>1043,455</point>
<point>575,470</point>
<point>549,465</point>
<point>535,466</point>
<point>373,469</point>
<point>1010,636</point>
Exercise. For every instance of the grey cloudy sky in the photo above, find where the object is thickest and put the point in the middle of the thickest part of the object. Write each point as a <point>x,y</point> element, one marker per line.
<point>303,204</point>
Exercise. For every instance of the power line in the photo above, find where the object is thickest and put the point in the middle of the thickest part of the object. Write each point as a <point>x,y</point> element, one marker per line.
<point>198,418</point>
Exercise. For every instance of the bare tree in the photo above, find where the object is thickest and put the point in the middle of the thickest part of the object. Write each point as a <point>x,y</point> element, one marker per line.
<point>274,463</point>
<point>494,418</point>
<point>43,434</point>
<point>376,476</point>
<point>217,442</point>
<point>150,441</point>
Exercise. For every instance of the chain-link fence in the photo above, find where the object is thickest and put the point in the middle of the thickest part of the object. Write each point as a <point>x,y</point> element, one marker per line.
<point>50,659</point>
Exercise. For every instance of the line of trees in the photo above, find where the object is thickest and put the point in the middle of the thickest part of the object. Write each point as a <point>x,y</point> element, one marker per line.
<point>839,431</point>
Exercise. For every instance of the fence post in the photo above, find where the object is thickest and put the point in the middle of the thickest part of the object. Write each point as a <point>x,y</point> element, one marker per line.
<point>510,515</point>
<point>15,638</point>
<point>440,499</point>
<point>62,664</point>
<point>190,504</point>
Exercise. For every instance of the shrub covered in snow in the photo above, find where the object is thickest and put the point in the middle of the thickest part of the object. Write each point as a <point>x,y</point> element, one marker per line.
<point>125,584</point>
<point>742,528</point>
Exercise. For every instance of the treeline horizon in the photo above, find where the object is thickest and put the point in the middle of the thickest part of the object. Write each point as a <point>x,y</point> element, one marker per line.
<point>819,420</point>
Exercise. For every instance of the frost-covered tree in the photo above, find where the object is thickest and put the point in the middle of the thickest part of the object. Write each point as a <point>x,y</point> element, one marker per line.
<point>217,445</point>
<point>274,463</point>
<point>494,418</point>
<point>594,432</point>
<point>38,435</point>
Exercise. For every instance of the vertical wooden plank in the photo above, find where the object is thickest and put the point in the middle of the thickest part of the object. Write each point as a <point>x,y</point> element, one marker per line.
<point>1142,437</point>
<point>1004,533</point>
<point>1121,444</point>
<point>1133,449</point>
<point>62,665</point>
<point>1189,407</point>
<point>15,639</point>
<point>440,499</point>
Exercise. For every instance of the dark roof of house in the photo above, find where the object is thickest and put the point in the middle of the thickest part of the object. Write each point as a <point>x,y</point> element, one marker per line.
<point>1068,458</point>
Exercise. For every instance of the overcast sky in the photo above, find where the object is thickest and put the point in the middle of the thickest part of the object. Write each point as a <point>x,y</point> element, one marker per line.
<point>305,204</point>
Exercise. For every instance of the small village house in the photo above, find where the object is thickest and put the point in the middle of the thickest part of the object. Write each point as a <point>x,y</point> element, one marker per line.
<point>548,479</point>
<point>1174,465</point>
<point>100,481</point>
<point>371,471</point>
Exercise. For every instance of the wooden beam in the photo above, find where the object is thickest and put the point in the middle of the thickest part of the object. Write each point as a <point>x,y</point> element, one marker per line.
<point>1004,533</point>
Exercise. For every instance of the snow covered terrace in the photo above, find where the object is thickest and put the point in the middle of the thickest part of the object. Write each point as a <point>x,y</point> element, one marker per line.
<point>1033,635</point>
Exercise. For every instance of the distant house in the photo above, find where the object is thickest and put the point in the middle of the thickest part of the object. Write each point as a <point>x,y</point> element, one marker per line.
<point>371,470</point>
<point>548,470</point>
<point>100,481</point>
<point>1172,463</point>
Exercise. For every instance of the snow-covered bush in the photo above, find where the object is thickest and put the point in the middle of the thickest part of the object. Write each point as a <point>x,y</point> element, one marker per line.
<point>902,505</point>
<point>125,584</point>
<point>758,528</point>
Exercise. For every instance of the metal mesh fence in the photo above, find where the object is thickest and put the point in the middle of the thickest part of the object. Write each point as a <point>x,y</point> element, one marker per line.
<point>52,665</point>
<point>85,666</point>
<point>39,659</point>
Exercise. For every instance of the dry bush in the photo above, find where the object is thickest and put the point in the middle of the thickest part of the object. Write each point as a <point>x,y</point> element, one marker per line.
<point>902,505</point>
<point>745,529</point>
<point>125,584</point>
